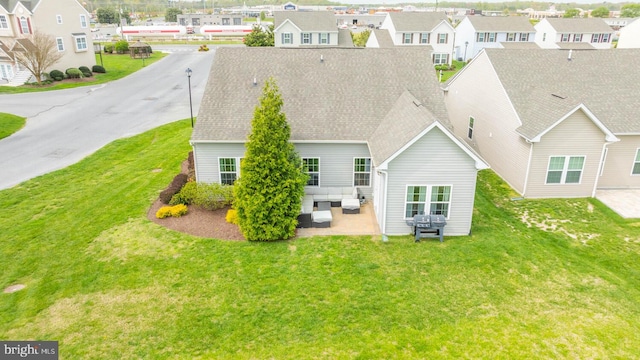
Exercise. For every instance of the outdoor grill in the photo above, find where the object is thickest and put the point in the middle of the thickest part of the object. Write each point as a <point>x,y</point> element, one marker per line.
<point>427,226</point>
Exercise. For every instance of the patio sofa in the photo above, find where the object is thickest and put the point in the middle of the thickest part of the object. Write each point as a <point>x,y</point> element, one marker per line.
<point>347,198</point>
<point>304,219</point>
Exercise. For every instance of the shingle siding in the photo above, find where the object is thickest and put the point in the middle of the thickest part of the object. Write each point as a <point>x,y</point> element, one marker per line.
<point>432,160</point>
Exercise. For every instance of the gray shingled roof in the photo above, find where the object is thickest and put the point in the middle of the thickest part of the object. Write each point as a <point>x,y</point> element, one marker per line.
<point>575,46</point>
<point>384,38</point>
<point>519,45</point>
<point>501,24</point>
<point>544,86</point>
<point>346,97</point>
<point>416,21</point>
<point>578,25</point>
<point>10,5</point>
<point>307,20</point>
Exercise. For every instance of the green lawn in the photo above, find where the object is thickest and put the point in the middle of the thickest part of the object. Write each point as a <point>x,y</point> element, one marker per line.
<point>109,284</point>
<point>117,66</point>
<point>9,124</point>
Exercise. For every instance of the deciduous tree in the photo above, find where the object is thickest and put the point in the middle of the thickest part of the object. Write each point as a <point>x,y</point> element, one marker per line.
<point>37,52</point>
<point>171,14</point>
<point>268,193</point>
<point>260,37</point>
<point>630,10</point>
<point>571,13</point>
<point>600,12</point>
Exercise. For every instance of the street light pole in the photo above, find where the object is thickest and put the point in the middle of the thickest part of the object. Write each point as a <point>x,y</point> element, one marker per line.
<point>188,71</point>
<point>466,43</point>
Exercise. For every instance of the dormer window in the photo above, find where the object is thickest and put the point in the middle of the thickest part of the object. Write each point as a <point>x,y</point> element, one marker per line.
<point>25,27</point>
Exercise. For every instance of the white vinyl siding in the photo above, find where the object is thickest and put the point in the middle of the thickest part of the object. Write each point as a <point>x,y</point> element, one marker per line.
<point>565,169</point>
<point>362,172</point>
<point>636,164</point>
<point>456,169</point>
<point>311,167</point>
<point>60,44</point>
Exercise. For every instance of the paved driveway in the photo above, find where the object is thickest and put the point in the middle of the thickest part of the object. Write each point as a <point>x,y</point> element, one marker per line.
<point>624,202</point>
<point>65,126</point>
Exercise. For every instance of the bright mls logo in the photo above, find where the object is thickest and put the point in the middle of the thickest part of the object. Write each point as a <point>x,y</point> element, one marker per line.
<point>35,350</point>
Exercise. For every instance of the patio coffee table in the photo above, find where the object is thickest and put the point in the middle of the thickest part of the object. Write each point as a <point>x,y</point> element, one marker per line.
<point>324,205</point>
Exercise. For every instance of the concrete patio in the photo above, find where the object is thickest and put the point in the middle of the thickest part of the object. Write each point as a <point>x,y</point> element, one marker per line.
<point>364,223</point>
<point>625,202</point>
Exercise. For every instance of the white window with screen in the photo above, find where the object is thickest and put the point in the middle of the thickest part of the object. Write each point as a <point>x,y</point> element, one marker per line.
<point>59,19</point>
<point>564,38</point>
<point>565,169</point>
<point>81,42</point>
<point>362,172</point>
<point>60,44</point>
<point>605,38</point>
<point>24,25</point>
<point>577,38</point>
<point>406,38</point>
<point>324,38</point>
<point>442,38</point>
<point>287,38</point>
<point>636,164</point>
<point>229,170</point>
<point>306,38</point>
<point>440,58</point>
<point>511,37</point>
<point>524,36</point>
<point>427,200</point>
<point>424,38</point>
<point>83,21</point>
<point>3,22</point>
<point>492,37</point>
<point>470,132</point>
<point>311,167</point>
<point>480,37</point>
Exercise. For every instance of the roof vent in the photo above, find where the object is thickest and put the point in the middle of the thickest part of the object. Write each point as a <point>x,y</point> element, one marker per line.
<point>321,58</point>
<point>255,81</point>
<point>570,52</point>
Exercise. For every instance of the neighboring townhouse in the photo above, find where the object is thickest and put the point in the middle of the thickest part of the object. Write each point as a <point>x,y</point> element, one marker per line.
<point>368,118</point>
<point>418,28</point>
<point>553,124</point>
<point>308,28</point>
<point>66,20</point>
<point>475,33</point>
<point>629,37</point>
<point>574,33</point>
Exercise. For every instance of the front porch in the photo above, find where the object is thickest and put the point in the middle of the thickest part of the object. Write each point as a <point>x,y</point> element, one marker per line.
<point>364,223</point>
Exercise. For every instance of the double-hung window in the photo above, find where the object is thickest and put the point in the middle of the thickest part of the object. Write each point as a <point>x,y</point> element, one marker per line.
<point>442,38</point>
<point>480,37</point>
<point>3,22</point>
<point>24,25</point>
<point>311,167</point>
<point>636,164</point>
<point>362,172</point>
<point>524,36</point>
<point>492,37</point>
<point>577,37</point>
<point>511,37</point>
<point>59,19</point>
<point>229,170</point>
<point>287,38</point>
<point>83,21</point>
<point>564,38</point>
<point>440,58</point>
<point>324,38</point>
<point>407,38</point>
<point>60,44</point>
<point>470,132</point>
<point>565,169</point>
<point>428,200</point>
<point>424,38</point>
<point>306,38</point>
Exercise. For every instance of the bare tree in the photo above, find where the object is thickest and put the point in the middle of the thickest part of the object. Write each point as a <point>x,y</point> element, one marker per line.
<point>37,52</point>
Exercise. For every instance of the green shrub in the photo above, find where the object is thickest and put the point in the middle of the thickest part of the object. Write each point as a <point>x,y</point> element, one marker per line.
<point>108,48</point>
<point>86,72</point>
<point>208,196</point>
<point>98,69</point>
<point>122,46</point>
<point>176,185</point>
<point>56,75</point>
<point>73,73</point>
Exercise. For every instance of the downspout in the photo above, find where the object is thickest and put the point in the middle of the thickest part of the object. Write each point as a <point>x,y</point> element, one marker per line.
<point>383,208</point>
<point>526,176</point>
<point>600,168</point>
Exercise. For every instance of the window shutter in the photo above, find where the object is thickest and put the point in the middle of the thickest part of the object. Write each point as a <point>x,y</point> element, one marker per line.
<point>328,38</point>
<point>282,38</point>
<point>19,25</point>
<point>29,24</point>
<point>446,39</point>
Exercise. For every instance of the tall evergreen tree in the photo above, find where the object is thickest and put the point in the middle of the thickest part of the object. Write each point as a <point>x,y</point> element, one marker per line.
<point>268,193</point>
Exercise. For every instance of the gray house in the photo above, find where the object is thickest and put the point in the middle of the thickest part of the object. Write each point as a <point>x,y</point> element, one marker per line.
<point>370,118</point>
<point>552,123</point>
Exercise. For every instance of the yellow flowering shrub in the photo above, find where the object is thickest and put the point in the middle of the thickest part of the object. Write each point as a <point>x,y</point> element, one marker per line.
<point>232,216</point>
<point>175,211</point>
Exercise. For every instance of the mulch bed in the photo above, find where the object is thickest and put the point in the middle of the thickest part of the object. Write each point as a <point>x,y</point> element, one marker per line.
<point>198,222</point>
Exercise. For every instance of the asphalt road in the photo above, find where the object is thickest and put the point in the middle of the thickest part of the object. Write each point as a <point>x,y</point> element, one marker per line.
<point>65,126</point>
